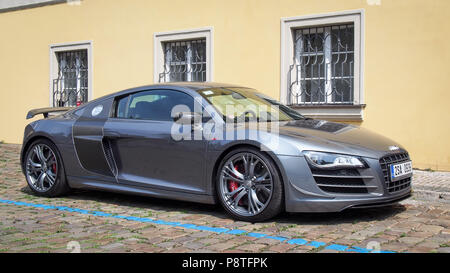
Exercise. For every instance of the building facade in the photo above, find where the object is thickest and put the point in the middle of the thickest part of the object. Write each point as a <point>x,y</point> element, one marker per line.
<point>379,64</point>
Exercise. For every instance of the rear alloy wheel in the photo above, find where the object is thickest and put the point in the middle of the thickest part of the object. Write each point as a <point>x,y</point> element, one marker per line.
<point>249,186</point>
<point>44,169</point>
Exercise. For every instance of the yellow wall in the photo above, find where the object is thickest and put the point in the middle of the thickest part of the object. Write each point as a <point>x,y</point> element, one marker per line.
<point>407,56</point>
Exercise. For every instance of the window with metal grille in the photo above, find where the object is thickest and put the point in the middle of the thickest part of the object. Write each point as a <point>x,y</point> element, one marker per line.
<point>322,70</point>
<point>184,61</point>
<point>70,87</point>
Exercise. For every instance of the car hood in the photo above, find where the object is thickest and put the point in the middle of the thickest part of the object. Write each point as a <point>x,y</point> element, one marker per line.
<point>321,135</point>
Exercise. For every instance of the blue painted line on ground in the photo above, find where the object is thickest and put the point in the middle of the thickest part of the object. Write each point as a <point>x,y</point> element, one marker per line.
<point>236,232</point>
<point>281,239</point>
<point>316,244</point>
<point>116,216</point>
<point>162,222</point>
<point>358,249</point>
<point>99,213</point>
<point>256,234</point>
<point>297,241</point>
<point>188,226</point>
<point>336,247</point>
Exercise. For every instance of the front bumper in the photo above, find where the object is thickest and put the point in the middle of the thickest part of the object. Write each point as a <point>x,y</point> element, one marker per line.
<point>304,194</point>
<point>340,204</point>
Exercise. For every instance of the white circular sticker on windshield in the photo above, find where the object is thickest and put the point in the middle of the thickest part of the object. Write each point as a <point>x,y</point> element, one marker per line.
<point>97,110</point>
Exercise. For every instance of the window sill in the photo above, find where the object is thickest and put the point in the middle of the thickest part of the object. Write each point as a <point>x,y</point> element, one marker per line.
<point>332,112</point>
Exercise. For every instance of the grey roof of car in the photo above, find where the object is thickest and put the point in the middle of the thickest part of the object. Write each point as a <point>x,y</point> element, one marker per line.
<point>190,85</point>
<point>196,85</point>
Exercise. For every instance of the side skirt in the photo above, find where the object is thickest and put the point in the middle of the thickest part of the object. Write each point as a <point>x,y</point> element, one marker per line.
<point>82,183</point>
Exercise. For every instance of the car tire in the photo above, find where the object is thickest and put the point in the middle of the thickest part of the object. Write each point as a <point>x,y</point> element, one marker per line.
<point>273,204</point>
<point>53,172</point>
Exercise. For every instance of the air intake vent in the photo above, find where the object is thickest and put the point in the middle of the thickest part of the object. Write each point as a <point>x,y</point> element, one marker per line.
<point>342,181</point>
<point>109,156</point>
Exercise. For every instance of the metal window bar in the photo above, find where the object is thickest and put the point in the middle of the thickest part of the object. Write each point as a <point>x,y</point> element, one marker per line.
<point>184,61</point>
<point>70,88</point>
<point>322,71</point>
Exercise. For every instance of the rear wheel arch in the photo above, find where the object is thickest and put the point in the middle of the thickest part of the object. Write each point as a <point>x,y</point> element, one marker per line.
<point>27,145</point>
<point>61,186</point>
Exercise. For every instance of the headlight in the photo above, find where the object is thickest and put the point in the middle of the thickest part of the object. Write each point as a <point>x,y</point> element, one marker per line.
<point>332,161</point>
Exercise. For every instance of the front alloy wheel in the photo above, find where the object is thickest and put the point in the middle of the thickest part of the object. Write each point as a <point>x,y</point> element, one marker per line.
<point>249,186</point>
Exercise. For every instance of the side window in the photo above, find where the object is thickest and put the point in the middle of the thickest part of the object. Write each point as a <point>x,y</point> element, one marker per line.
<point>121,107</point>
<point>153,105</point>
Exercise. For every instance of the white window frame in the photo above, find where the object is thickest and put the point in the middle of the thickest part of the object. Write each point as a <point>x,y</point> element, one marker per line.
<point>12,5</point>
<point>189,34</point>
<point>288,25</point>
<point>55,48</point>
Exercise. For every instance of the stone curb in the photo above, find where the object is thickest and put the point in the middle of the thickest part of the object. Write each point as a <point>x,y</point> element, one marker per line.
<point>432,195</point>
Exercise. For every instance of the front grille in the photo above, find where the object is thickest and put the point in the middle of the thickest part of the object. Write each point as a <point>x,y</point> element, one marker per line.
<point>394,159</point>
<point>342,181</point>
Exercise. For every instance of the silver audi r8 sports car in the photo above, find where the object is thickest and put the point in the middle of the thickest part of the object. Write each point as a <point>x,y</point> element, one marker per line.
<point>213,143</point>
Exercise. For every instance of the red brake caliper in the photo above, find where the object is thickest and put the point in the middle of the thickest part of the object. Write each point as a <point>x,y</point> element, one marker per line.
<point>54,165</point>
<point>233,185</point>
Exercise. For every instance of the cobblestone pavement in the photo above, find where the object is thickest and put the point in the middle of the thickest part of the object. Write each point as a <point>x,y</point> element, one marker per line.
<point>432,185</point>
<point>35,224</point>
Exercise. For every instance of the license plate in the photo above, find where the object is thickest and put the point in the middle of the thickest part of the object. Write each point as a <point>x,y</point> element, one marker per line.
<point>401,170</point>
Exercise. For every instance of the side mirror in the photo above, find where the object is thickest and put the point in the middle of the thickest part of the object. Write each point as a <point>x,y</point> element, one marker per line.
<point>188,118</point>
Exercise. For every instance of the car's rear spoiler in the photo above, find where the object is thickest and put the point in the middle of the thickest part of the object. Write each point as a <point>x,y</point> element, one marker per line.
<point>46,111</point>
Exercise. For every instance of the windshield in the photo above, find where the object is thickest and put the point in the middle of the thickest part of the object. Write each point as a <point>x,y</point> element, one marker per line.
<point>245,104</point>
